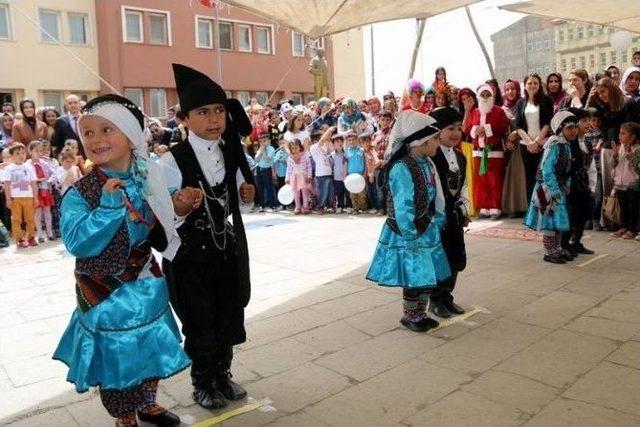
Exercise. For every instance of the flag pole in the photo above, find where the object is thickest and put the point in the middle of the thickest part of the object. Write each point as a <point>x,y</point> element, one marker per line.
<point>218,51</point>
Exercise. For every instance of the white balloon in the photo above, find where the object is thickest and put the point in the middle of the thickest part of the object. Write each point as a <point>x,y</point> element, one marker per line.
<point>285,195</point>
<point>620,40</point>
<point>354,183</point>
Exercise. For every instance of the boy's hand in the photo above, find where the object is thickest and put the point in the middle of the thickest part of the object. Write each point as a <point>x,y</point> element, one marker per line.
<point>8,203</point>
<point>112,185</point>
<point>187,199</point>
<point>36,203</point>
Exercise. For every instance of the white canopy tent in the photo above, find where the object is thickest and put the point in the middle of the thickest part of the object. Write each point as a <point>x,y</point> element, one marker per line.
<point>317,18</point>
<point>623,14</point>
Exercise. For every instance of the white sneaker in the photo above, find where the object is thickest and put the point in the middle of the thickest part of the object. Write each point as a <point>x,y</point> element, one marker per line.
<point>348,210</point>
<point>373,211</point>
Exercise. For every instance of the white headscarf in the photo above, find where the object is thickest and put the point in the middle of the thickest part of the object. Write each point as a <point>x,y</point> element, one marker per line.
<point>625,76</point>
<point>157,194</point>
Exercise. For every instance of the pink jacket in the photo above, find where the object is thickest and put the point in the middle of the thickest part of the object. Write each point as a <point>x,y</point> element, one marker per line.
<point>305,162</point>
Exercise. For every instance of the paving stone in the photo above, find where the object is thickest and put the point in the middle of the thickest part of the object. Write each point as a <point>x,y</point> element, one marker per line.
<point>371,357</point>
<point>34,370</point>
<point>38,397</point>
<point>598,285</point>
<point>461,409</point>
<point>619,331</point>
<point>609,385</point>
<point>54,418</point>
<point>91,413</point>
<point>484,347</point>
<point>277,357</point>
<point>353,303</point>
<point>512,390</point>
<point>620,310</point>
<point>297,420</point>
<point>628,354</point>
<point>572,413</point>
<point>553,310</point>
<point>297,388</point>
<point>332,337</point>
<point>285,325</point>
<point>377,320</point>
<point>504,300</point>
<point>559,358</point>
<point>388,398</point>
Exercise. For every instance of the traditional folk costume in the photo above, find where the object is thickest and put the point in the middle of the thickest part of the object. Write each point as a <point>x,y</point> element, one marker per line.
<point>122,337</point>
<point>209,277</point>
<point>548,207</point>
<point>488,154</point>
<point>409,252</point>
<point>451,166</point>
<point>579,197</point>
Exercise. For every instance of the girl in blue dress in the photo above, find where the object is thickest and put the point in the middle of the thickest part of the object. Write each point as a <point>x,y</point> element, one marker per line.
<point>409,252</point>
<point>548,208</point>
<point>122,337</point>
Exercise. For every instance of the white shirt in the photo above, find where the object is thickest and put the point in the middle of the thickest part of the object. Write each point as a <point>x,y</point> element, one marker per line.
<point>301,136</point>
<point>452,160</point>
<point>322,159</point>
<point>532,116</point>
<point>209,156</point>
<point>20,179</point>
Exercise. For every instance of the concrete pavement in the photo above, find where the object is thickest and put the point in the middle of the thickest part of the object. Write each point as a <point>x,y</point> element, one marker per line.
<point>552,345</point>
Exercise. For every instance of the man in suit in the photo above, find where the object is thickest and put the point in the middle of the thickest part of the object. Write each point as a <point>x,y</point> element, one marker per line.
<point>67,126</point>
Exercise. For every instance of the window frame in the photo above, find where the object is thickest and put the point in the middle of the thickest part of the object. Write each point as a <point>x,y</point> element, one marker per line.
<point>209,22</point>
<point>269,39</point>
<point>240,94</point>
<point>230,24</point>
<point>167,27</point>
<point>58,25</point>
<point>7,10</point>
<point>125,35</point>
<point>561,35</point>
<point>166,105</point>
<point>293,45</point>
<point>262,94</point>
<point>59,94</point>
<point>87,28</point>
<point>238,28</point>
<point>138,89</point>
<point>297,95</point>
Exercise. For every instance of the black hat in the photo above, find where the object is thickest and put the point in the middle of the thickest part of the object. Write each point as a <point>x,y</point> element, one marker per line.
<point>115,99</point>
<point>580,113</point>
<point>196,89</point>
<point>446,116</point>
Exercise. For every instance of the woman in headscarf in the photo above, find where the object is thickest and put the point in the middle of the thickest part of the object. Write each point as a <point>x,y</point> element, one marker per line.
<point>353,119</point>
<point>122,337</point>
<point>29,128</point>
<point>630,83</point>
<point>514,191</point>
<point>555,90</point>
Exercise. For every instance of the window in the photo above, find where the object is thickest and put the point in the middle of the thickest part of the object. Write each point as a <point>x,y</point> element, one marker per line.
<point>580,32</point>
<point>243,33</point>
<point>204,38</point>
<point>262,97</point>
<point>78,28</point>
<point>570,32</point>
<point>225,35</point>
<point>592,61</point>
<point>296,98</point>
<point>583,62</point>
<point>133,26</point>
<point>547,44</point>
<point>159,31</point>
<point>573,63</point>
<point>561,35</point>
<point>603,59</point>
<point>590,31</point>
<point>158,102</point>
<point>52,99</point>
<point>50,23</point>
<point>309,97</point>
<point>243,97</point>
<point>538,45</point>
<point>5,23</point>
<point>135,95</point>
<point>624,57</point>
<point>530,46</point>
<point>297,44</point>
<point>601,30</point>
<point>264,39</point>
<point>614,56</point>
<point>564,64</point>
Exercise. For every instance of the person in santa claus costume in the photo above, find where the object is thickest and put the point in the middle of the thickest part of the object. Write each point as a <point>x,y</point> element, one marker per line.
<point>487,125</point>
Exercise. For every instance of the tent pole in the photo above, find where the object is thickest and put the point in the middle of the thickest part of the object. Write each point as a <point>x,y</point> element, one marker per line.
<point>218,51</point>
<point>480,42</point>
<point>416,47</point>
<point>373,66</point>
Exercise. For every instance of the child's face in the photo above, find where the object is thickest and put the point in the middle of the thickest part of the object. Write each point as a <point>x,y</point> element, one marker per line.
<point>339,144</point>
<point>46,149</point>
<point>282,143</point>
<point>626,137</point>
<point>352,141</point>
<point>295,148</point>
<point>36,152</point>
<point>594,123</point>
<point>66,163</point>
<point>583,126</point>
<point>105,144</point>
<point>19,156</point>
<point>366,144</point>
<point>451,135</point>
<point>74,148</point>
<point>264,141</point>
<point>384,122</point>
<point>430,147</point>
<point>570,132</point>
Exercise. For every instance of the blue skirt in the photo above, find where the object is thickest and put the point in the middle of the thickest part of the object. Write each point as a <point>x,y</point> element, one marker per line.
<point>556,221</point>
<point>125,340</point>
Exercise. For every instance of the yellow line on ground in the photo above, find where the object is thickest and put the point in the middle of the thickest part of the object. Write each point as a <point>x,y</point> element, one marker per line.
<point>595,258</point>
<point>230,414</point>
<point>455,319</point>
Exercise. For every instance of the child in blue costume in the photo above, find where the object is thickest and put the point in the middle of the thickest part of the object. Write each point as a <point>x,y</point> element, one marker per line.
<point>122,337</point>
<point>409,253</point>
<point>548,208</point>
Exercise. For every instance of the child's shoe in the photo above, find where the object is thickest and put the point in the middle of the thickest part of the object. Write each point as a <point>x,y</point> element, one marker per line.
<point>419,323</point>
<point>619,233</point>
<point>32,241</point>
<point>629,235</point>
<point>22,244</point>
<point>306,211</point>
<point>296,211</point>
<point>41,239</point>
<point>373,211</point>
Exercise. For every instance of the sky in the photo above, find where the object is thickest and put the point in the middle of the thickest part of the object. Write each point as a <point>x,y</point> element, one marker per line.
<point>447,40</point>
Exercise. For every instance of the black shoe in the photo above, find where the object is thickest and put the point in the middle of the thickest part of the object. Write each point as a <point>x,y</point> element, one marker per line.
<point>567,255</point>
<point>440,309</point>
<point>580,249</point>
<point>229,389</point>
<point>597,227</point>
<point>162,419</point>
<point>453,308</point>
<point>588,225</point>
<point>422,325</point>
<point>209,397</point>
<point>554,259</point>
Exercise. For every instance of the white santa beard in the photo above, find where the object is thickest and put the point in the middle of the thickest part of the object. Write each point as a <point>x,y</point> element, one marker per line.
<point>485,106</point>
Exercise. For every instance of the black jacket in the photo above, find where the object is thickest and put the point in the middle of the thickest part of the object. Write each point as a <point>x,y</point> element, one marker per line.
<point>64,131</point>
<point>546,113</point>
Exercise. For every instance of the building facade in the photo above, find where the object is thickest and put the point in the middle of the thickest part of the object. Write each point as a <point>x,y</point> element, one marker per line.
<point>39,68</point>
<point>138,40</point>
<point>525,46</point>
<point>348,60</point>
<point>587,46</point>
